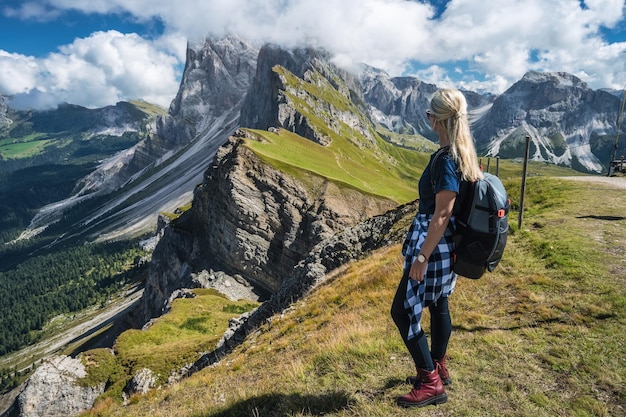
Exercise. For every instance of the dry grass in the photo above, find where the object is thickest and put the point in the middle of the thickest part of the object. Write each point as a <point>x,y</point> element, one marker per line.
<point>541,336</point>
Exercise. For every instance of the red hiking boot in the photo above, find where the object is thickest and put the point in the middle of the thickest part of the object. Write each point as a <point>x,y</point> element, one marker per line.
<point>427,390</point>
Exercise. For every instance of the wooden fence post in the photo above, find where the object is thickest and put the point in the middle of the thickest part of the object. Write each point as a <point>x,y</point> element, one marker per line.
<point>523,191</point>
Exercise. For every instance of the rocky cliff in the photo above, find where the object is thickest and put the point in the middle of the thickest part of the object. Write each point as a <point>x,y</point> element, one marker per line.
<point>249,219</point>
<point>398,103</point>
<point>351,244</point>
<point>217,75</point>
<point>285,93</point>
<point>163,169</point>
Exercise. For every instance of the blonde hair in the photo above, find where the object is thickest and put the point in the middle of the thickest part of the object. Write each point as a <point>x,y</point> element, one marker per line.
<point>449,108</point>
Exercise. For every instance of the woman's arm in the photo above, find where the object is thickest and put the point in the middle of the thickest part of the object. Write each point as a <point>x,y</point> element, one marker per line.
<point>444,203</point>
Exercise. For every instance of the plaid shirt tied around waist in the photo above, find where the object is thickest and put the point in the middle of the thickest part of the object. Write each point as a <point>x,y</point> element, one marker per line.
<point>439,280</point>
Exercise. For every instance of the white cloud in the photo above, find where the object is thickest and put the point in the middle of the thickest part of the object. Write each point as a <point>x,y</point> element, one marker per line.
<point>18,73</point>
<point>501,41</point>
<point>498,42</point>
<point>102,69</point>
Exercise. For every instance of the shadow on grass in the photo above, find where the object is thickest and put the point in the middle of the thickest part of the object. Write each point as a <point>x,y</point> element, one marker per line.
<point>282,405</point>
<point>530,325</point>
<point>608,218</point>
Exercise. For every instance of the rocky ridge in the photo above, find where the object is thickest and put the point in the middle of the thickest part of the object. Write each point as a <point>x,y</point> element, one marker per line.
<point>247,218</point>
<point>251,220</point>
<point>353,243</point>
<point>169,162</point>
<point>229,82</point>
<point>285,78</point>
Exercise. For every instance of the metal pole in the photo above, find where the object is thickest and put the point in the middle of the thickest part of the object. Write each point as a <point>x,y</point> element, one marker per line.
<point>497,166</point>
<point>523,191</point>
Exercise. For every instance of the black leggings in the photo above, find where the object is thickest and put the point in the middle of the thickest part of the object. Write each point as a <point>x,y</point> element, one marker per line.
<point>440,328</point>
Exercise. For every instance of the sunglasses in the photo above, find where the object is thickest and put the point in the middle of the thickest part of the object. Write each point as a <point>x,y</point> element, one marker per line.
<point>429,114</point>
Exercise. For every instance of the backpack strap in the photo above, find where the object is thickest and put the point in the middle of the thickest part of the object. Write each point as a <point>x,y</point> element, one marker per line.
<point>464,186</point>
<point>433,164</point>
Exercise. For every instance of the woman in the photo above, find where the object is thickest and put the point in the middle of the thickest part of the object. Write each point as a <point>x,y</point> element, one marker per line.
<point>428,278</point>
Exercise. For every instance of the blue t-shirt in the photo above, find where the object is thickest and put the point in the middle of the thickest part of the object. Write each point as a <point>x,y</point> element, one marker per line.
<point>446,178</point>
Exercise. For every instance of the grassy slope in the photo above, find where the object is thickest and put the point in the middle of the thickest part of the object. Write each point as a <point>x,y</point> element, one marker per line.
<point>366,163</point>
<point>354,158</point>
<point>346,164</point>
<point>10,148</point>
<point>172,341</point>
<point>541,336</point>
<point>148,108</point>
<point>338,163</point>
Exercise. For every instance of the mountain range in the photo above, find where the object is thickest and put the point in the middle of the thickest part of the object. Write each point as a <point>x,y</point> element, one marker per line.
<point>569,125</point>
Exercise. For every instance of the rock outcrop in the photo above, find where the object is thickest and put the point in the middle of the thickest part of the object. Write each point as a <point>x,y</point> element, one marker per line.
<point>287,78</point>
<point>5,121</point>
<point>54,390</point>
<point>398,103</point>
<point>143,381</point>
<point>261,106</point>
<point>217,76</point>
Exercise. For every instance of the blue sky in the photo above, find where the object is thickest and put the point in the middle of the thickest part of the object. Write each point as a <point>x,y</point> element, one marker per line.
<point>97,52</point>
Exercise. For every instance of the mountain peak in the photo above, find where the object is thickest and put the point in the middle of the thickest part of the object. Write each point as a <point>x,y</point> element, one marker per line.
<point>561,114</point>
<point>557,79</point>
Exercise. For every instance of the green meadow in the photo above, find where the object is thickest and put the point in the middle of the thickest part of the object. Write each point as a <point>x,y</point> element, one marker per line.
<point>26,147</point>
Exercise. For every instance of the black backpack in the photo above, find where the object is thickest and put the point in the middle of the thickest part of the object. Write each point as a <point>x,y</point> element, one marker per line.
<point>481,212</point>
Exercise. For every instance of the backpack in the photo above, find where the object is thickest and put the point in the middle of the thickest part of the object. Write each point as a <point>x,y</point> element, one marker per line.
<point>481,212</point>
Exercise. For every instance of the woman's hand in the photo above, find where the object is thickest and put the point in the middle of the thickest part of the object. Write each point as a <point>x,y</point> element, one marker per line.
<point>418,270</point>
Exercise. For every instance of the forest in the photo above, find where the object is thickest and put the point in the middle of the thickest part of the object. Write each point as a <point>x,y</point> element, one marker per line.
<point>61,281</point>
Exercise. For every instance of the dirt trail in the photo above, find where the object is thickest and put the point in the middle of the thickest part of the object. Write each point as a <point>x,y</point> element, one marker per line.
<point>615,182</point>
